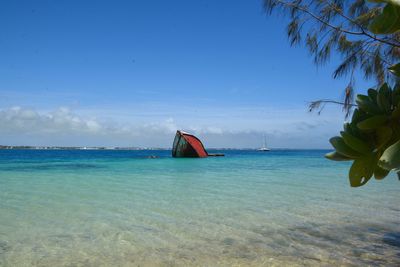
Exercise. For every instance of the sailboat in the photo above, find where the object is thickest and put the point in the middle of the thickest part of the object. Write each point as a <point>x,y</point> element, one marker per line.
<point>264,148</point>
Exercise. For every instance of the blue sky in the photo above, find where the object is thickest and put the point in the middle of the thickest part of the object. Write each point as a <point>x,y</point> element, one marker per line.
<point>129,73</point>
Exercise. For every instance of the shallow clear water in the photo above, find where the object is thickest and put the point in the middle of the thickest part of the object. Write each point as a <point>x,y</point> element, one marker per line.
<point>119,208</point>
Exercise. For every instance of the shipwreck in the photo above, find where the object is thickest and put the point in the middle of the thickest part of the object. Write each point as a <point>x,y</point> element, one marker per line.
<point>187,145</point>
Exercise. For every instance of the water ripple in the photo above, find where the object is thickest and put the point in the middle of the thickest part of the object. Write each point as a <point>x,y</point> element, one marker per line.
<point>52,166</point>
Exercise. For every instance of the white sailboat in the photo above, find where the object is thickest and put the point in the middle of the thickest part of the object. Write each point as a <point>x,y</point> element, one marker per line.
<point>264,148</point>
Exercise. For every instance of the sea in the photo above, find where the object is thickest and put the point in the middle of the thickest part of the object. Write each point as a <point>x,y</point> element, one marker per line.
<point>145,208</point>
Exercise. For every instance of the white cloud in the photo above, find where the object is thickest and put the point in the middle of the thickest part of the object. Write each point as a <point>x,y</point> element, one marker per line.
<point>28,121</point>
<point>20,125</point>
<point>242,128</point>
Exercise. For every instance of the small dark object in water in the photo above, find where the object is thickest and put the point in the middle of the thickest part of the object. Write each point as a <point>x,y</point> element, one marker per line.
<point>216,155</point>
<point>152,157</point>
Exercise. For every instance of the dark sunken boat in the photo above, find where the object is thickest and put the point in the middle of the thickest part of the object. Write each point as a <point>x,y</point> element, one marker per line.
<point>187,145</point>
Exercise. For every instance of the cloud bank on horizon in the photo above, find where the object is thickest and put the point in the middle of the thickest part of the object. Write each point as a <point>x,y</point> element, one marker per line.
<point>243,128</point>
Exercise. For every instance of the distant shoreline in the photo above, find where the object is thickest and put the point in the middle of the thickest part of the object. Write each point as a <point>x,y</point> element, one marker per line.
<point>77,148</point>
<point>3,147</point>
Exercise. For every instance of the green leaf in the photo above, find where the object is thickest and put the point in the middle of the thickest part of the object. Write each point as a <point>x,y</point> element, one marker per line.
<point>358,115</point>
<point>373,122</point>
<point>396,112</point>
<point>336,156</point>
<point>365,104</point>
<point>341,147</point>
<point>396,132</point>
<point>355,143</point>
<point>347,127</point>
<point>390,159</point>
<point>396,92</point>
<point>372,93</point>
<point>383,135</point>
<point>384,98</point>
<point>380,173</point>
<point>395,69</point>
<point>388,21</point>
<point>362,170</point>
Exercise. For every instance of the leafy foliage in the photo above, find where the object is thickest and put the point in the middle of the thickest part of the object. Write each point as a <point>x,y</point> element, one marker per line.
<point>373,135</point>
<point>348,28</point>
<point>372,139</point>
<point>368,37</point>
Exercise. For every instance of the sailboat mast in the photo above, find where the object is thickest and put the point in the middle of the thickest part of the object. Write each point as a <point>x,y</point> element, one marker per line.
<point>265,141</point>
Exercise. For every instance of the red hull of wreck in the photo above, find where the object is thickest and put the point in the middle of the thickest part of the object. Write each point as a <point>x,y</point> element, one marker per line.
<point>188,146</point>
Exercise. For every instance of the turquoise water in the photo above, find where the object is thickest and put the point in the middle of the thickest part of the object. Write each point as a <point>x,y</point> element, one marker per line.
<point>119,208</point>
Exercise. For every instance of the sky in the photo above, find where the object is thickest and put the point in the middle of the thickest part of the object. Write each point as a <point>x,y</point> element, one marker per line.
<point>130,73</point>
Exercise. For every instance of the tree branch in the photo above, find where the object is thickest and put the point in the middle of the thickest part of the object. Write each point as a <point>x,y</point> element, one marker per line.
<point>316,104</point>
<point>362,32</point>
<point>340,12</point>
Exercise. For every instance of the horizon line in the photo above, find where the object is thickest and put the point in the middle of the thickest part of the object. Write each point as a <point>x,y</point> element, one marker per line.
<point>41,147</point>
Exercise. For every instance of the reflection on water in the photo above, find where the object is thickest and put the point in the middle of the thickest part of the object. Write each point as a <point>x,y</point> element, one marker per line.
<point>283,209</point>
<point>392,239</point>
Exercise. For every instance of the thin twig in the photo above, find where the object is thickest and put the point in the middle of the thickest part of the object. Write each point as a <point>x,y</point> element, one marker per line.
<point>329,101</point>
